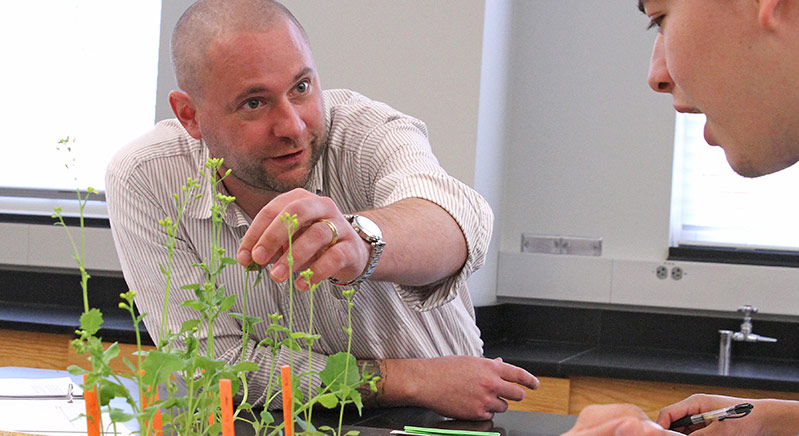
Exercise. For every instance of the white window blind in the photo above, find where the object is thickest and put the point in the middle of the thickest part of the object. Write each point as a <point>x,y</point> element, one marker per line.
<point>86,69</point>
<point>714,206</point>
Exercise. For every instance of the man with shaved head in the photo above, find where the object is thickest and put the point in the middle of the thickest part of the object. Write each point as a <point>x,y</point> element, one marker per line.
<point>375,211</point>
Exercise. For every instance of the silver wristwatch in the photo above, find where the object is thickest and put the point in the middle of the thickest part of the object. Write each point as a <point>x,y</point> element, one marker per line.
<point>368,230</point>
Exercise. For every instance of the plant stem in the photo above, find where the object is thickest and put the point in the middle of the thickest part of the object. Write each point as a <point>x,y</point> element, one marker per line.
<point>347,362</point>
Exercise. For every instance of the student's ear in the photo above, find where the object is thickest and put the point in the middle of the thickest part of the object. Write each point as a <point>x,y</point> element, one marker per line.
<point>186,112</point>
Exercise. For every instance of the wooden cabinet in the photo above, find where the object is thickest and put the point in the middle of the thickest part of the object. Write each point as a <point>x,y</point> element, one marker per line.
<point>555,395</point>
<point>577,392</point>
<point>552,396</point>
<point>50,351</point>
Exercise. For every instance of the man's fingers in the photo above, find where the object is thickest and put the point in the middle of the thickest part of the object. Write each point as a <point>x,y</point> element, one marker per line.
<point>510,391</point>
<point>518,375</point>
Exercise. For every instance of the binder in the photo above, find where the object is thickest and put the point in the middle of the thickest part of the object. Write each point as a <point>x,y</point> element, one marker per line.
<point>46,406</point>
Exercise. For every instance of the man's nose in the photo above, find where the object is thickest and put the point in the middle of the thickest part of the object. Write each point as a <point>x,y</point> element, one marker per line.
<point>659,78</point>
<point>288,123</point>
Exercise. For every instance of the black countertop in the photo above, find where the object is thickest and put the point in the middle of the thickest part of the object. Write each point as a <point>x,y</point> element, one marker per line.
<point>562,342</point>
<point>380,422</point>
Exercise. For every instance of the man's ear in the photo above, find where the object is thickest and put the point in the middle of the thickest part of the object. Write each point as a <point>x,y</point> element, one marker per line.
<point>185,110</point>
<point>771,13</point>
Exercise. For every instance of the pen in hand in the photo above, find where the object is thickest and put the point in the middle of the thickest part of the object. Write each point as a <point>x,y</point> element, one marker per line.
<point>737,411</point>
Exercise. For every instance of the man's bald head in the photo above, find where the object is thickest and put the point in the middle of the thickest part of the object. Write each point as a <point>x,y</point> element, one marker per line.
<point>207,21</point>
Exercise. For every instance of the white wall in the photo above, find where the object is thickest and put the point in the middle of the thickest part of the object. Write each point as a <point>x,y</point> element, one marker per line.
<point>589,147</point>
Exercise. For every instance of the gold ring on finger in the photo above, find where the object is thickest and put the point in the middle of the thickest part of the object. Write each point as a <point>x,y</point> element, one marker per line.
<point>333,229</point>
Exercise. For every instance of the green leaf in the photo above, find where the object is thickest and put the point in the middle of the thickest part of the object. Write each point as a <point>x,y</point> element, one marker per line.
<point>308,427</point>
<point>228,261</point>
<point>76,370</point>
<point>119,415</point>
<point>268,342</point>
<point>227,303</point>
<point>291,344</point>
<point>159,366</point>
<point>333,374</point>
<point>130,365</point>
<point>199,306</point>
<point>109,391</point>
<point>190,325</point>
<point>245,366</point>
<point>266,417</point>
<point>356,398</point>
<point>215,429</point>
<point>329,400</point>
<point>193,286</point>
<point>111,352</point>
<point>91,321</point>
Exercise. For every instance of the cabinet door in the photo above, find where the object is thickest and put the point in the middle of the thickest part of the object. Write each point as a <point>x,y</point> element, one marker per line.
<point>552,396</point>
<point>650,396</point>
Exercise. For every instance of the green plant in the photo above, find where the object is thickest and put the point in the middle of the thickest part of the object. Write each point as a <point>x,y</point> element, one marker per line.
<point>196,412</point>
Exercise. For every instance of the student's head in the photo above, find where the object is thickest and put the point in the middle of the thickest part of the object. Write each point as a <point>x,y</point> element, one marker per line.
<point>737,61</point>
<point>250,89</point>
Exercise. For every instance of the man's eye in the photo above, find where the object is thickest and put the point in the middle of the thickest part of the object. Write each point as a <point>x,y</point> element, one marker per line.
<point>253,103</point>
<point>302,87</point>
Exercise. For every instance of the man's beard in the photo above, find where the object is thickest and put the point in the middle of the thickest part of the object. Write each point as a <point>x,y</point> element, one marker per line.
<point>254,176</point>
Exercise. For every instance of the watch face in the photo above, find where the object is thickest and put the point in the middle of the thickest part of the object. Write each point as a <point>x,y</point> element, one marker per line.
<point>368,227</point>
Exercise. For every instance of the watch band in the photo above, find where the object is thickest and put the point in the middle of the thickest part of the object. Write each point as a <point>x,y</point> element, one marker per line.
<point>377,244</point>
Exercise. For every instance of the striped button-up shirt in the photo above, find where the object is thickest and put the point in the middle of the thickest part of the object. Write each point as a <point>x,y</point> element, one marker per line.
<point>375,156</point>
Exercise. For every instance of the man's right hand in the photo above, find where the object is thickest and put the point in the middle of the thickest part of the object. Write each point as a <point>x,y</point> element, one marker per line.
<point>460,387</point>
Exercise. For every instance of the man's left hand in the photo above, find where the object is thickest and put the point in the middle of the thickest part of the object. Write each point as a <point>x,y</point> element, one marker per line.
<point>460,387</point>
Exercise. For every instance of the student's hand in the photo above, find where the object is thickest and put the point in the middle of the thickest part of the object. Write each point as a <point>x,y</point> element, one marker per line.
<point>266,241</point>
<point>768,417</point>
<point>460,387</point>
<point>615,420</point>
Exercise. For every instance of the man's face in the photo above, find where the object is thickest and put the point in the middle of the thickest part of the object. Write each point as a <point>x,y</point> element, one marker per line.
<point>261,108</point>
<point>714,58</point>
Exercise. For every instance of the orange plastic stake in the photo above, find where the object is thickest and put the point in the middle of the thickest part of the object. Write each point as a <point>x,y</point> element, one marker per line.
<point>226,406</point>
<point>288,416</point>
<point>157,417</point>
<point>211,419</point>
<point>92,409</point>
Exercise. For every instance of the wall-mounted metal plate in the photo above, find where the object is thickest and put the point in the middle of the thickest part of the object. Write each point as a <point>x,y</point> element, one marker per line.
<point>574,245</point>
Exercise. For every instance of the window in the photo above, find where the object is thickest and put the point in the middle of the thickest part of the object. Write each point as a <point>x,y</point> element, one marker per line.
<point>713,206</point>
<point>86,69</point>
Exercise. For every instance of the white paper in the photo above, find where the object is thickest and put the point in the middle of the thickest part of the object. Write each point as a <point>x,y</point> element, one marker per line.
<point>50,417</point>
<point>45,387</point>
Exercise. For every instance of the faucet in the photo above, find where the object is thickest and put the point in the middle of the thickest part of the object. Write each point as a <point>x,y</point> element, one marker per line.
<point>745,335</point>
